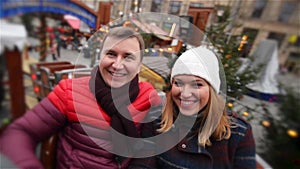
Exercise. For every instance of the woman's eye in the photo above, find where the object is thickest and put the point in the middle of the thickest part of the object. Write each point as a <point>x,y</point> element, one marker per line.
<point>178,84</point>
<point>197,85</point>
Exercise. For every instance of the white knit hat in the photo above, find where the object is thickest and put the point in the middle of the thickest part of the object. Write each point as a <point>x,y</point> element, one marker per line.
<point>200,62</point>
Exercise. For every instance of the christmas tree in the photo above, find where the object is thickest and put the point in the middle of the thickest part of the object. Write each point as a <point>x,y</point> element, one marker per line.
<point>281,142</point>
<point>232,50</point>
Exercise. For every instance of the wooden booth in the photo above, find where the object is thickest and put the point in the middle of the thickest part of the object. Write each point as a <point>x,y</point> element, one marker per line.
<point>13,39</point>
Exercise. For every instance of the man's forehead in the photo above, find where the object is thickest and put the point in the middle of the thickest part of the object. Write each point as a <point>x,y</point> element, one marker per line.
<point>112,41</point>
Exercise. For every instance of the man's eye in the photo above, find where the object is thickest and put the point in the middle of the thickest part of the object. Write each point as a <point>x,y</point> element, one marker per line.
<point>130,57</point>
<point>109,53</point>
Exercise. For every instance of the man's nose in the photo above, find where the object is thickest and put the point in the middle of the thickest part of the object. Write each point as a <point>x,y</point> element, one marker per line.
<point>118,63</point>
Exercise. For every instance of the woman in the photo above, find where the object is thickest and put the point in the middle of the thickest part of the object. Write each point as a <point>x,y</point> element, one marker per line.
<point>85,111</point>
<point>206,135</point>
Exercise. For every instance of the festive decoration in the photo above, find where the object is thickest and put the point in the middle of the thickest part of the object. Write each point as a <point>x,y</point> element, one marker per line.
<point>292,133</point>
<point>266,123</point>
<point>246,114</point>
<point>243,42</point>
<point>230,105</point>
<point>281,129</point>
<point>231,51</point>
<point>284,131</point>
<point>293,39</point>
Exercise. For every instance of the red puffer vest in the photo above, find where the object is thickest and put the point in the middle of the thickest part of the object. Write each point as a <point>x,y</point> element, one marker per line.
<point>83,128</point>
<point>86,141</point>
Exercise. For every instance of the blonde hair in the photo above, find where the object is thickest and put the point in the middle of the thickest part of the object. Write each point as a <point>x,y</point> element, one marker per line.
<point>214,124</point>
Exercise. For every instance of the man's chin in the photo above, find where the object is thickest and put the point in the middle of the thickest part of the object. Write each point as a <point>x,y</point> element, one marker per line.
<point>116,84</point>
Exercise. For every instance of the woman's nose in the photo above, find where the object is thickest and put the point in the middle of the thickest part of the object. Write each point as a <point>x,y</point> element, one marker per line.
<point>186,91</point>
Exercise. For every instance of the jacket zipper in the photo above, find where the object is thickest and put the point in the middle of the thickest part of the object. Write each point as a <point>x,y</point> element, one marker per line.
<point>118,163</point>
<point>199,149</point>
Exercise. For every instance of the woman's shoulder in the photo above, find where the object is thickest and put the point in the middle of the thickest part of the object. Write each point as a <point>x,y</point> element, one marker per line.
<point>235,117</point>
<point>238,124</point>
<point>241,136</point>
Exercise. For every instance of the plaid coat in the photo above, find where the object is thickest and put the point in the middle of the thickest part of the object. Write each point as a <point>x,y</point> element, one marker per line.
<point>238,152</point>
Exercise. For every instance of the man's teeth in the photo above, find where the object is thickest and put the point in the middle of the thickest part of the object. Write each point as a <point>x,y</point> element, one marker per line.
<point>118,74</point>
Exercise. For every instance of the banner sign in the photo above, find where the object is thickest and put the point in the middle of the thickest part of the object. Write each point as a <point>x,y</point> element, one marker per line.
<point>17,7</point>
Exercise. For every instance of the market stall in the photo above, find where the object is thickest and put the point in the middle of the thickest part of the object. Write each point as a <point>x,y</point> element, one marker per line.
<point>13,39</point>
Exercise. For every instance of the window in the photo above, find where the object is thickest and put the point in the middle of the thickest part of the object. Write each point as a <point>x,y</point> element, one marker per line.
<point>196,4</point>
<point>156,6</point>
<point>174,7</point>
<point>294,40</point>
<point>259,8</point>
<point>293,62</point>
<point>297,44</point>
<point>251,33</point>
<point>294,55</point>
<point>286,11</point>
<point>185,25</point>
<point>277,36</point>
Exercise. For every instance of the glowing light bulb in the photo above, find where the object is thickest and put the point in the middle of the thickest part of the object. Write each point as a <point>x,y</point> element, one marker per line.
<point>230,105</point>
<point>292,133</point>
<point>245,113</point>
<point>266,123</point>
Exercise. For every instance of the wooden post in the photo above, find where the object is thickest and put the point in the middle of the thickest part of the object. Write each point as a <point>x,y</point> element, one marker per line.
<point>200,16</point>
<point>103,14</point>
<point>16,87</point>
<point>43,38</point>
<point>25,52</point>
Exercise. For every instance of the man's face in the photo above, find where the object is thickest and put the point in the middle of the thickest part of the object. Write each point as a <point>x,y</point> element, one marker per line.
<point>120,61</point>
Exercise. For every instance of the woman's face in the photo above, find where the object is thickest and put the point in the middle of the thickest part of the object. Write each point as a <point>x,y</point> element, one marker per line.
<point>120,61</point>
<point>190,93</point>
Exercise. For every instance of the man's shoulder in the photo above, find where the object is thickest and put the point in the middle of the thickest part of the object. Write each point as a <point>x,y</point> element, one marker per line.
<point>74,81</point>
<point>144,84</point>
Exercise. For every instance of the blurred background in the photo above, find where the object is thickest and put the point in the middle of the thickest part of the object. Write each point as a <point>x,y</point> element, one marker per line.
<point>257,41</point>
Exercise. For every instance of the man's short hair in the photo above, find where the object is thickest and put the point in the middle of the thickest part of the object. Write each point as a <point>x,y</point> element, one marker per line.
<point>124,33</point>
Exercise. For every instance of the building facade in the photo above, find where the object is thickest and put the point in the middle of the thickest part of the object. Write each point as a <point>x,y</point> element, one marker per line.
<point>258,19</point>
<point>278,20</point>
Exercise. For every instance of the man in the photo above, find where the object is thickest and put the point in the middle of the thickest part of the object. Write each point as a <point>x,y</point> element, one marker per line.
<point>87,112</point>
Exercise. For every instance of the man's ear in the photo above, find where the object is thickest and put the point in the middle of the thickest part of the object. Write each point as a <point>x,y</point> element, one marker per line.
<point>139,68</point>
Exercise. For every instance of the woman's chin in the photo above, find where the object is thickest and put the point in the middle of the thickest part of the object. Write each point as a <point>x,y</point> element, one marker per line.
<point>188,112</point>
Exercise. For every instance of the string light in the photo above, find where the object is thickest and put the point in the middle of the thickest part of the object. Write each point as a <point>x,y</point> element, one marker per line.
<point>243,42</point>
<point>230,105</point>
<point>266,123</point>
<point>292,133</point>
<point>228,56</point>
<point>245,113</point>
